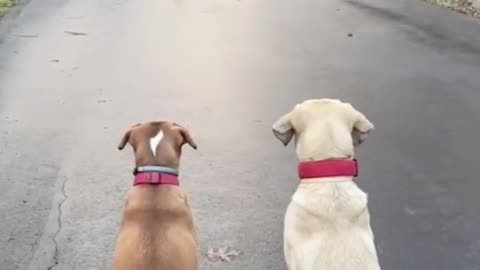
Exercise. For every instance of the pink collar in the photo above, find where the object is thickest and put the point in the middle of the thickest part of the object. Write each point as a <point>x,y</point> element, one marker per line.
<point>155,178</point>
<point>327,168</point>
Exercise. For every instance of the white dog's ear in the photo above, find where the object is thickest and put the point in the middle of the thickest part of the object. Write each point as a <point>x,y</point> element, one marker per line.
<point>361,128</point>
<point>283,129</point>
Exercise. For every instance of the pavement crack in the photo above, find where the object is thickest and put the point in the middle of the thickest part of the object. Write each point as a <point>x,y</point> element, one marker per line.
<point>59,226</point>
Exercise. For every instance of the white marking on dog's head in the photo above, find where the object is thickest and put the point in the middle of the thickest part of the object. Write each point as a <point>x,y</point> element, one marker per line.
<point>154,141</point>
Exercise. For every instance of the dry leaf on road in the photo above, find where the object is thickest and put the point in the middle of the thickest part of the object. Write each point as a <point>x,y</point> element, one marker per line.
<point>224,254</point>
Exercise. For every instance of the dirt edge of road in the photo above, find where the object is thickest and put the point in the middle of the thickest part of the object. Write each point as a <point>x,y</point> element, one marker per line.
<point>467,7</point>
<point>8,15</point>
<point>5,5</point>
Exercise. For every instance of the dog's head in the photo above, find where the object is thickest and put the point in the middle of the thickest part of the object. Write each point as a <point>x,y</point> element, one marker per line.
<point>157,143</point>
<point>323,128</point>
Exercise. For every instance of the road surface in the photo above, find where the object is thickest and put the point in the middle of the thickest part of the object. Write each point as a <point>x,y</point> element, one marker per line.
<point>75,74</point>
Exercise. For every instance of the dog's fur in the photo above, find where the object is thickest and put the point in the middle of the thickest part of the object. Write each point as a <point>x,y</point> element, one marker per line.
<point>327,223</point>
<point>157,230</point>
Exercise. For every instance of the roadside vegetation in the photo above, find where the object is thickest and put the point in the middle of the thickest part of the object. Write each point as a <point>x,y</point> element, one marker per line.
<point>468,7</point>
<point>6,4</point>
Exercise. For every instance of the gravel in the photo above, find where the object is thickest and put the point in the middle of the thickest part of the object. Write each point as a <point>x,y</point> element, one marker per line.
<point>468,7</point>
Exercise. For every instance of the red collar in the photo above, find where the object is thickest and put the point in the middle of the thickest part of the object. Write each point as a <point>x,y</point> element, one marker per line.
<point>155,178</point>
<point>327,168</point>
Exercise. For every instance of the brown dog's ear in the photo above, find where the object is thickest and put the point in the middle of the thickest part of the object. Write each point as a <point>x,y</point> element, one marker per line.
<point>187,137</point>
<point>124,140</point>
<point>126,137</point>
<point>361,128</point>
<point>283,129</point>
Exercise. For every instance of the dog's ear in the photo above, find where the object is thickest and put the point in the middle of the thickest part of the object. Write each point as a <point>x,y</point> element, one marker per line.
<point>124,140</point>
<point>187,137</point>
<point>126,137</point>
<point>361,128</point>
<point>283,129</point>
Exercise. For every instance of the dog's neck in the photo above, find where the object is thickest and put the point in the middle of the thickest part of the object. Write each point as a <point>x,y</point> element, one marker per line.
<point>325,151</point>
<point>331,170</point>
<point>334,154</point>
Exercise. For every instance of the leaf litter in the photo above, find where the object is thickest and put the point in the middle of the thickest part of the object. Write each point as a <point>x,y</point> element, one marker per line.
<point>224,254</point>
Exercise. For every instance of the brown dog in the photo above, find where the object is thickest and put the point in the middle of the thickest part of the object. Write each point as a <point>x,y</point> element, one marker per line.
<point>157,230</point>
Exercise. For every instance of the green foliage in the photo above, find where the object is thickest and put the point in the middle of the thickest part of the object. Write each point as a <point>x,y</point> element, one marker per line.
<point>6,4</point>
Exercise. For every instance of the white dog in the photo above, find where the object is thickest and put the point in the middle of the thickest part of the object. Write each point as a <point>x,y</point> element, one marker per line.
<point>327,223</point>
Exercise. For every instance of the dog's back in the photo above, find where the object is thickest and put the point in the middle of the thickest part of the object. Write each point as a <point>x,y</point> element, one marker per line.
<point>157,226</point>
<point>326,222</point>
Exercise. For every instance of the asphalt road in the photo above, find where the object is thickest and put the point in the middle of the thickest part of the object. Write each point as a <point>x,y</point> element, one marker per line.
<point>227,70</point>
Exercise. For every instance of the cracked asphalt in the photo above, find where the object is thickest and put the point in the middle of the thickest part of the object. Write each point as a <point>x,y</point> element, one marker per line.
<point>74,75</point>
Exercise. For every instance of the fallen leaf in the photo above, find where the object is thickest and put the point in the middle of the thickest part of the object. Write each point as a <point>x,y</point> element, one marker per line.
<point>224,254</point>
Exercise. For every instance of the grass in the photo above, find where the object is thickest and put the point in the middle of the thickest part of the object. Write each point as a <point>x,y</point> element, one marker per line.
<point>5,5</point>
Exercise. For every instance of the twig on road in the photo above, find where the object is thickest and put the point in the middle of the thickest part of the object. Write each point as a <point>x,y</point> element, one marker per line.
<point>75,33</point>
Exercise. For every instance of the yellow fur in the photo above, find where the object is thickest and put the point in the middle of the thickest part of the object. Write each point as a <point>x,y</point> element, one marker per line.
<point>327,223</point>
